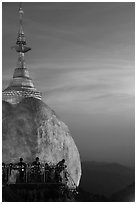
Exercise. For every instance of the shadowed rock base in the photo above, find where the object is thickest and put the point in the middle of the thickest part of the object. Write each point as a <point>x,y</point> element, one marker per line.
<point>37,193</point>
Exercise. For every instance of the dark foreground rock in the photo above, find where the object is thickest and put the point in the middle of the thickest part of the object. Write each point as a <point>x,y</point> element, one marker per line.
<point>84,196</point>
<point>47,193</point>
<point>37,193</point>
<point>58,193</point>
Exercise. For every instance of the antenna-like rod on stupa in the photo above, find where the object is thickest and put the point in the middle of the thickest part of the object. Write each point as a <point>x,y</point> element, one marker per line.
<point>20,46</point>
<point>21,13</point>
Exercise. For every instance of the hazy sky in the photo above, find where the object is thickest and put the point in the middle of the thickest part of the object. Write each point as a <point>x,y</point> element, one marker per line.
<point>82,60</point>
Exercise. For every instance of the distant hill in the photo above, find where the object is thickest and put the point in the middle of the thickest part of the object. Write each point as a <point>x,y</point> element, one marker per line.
<point>125,195</point>
<point>105,178</point>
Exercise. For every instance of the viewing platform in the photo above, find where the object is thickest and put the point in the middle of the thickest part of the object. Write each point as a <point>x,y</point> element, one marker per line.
<point>32,183</point>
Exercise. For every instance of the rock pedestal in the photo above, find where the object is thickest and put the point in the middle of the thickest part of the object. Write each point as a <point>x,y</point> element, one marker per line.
<point>31,129</point>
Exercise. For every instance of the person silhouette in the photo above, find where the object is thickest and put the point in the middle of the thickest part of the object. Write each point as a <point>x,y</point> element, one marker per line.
<point>36,163</point>
<point>47,170</point>
<point>36,170</point>
<point>22,170</point>
<point>59,168</point>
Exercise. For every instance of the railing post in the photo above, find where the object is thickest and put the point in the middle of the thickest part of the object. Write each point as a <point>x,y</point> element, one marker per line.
<point>26,174</point>
<point>44,174</point>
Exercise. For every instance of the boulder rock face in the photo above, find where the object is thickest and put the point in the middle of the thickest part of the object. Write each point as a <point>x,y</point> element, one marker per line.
<point>30,128</point>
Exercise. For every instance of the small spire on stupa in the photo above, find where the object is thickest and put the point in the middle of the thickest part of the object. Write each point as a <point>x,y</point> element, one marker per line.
<point>20,46</point>
<point>21,86</point>
<point>21,37</point>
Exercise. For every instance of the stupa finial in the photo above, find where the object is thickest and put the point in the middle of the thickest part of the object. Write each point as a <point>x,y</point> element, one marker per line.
<point>20,46</point>
<point>21,37</point>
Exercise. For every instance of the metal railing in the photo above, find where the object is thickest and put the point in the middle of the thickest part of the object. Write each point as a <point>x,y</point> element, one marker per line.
<point>13,174</point>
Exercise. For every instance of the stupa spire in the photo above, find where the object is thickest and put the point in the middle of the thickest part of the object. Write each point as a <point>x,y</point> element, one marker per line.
<point>20,46</point>
<point>21,86</point>
<point>21,13</point>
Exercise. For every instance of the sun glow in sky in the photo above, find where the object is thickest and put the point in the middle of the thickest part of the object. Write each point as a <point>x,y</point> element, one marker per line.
<point>82,60</point>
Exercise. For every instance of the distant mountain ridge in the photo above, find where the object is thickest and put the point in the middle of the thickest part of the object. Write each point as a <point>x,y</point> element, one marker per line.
<point>125,195</point>
<point>105,178</point>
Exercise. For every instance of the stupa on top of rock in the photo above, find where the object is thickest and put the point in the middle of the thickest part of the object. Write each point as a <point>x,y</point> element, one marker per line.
<point>21,85</point>
<point>30,128</point>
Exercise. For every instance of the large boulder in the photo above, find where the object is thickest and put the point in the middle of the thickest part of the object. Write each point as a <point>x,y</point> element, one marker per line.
<point>30,129</point>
